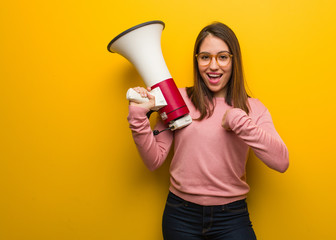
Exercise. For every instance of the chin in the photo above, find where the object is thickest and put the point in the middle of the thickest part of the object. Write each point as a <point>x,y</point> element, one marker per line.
<point>218,91</point>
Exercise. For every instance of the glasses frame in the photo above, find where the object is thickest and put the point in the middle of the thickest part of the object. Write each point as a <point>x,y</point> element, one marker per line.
<point>212,56</point>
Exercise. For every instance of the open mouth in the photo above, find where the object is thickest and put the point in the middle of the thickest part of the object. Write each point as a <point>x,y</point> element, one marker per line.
<point>214,78</point>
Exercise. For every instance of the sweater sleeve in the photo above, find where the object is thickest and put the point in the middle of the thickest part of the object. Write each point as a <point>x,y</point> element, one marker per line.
<point>153,149</point>
<point>261,136</point>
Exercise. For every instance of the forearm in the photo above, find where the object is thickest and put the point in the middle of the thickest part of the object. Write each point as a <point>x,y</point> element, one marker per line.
<point>263,139</point>
<point>153,149</point>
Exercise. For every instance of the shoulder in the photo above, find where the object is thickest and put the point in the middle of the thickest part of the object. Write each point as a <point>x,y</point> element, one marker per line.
<point>183,92</point>
<point>187,100</point>
<point>256,106</point>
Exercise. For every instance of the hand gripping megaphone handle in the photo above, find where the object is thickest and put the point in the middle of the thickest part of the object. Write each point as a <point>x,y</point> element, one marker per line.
<point>160,101</point>
<point>134,96</point>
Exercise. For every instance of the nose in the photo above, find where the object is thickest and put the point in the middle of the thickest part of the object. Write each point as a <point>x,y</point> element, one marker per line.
<point>213,63</point>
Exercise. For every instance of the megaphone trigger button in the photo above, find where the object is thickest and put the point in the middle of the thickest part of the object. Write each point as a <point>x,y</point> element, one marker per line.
<point>163,115</point>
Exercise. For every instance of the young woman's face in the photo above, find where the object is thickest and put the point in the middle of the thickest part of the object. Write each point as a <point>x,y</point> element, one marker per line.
<point>215,76</point>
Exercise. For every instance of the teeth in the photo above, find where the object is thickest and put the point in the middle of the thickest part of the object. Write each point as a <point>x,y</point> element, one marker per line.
<point>213,75</point>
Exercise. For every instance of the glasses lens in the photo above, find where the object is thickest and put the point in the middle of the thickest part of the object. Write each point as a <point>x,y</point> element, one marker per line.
<point>223,59</point>
<point>203,59</point>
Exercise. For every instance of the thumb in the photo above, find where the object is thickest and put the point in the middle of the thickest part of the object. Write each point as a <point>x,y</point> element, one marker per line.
<point>150,96</point>
<point>151,99</point>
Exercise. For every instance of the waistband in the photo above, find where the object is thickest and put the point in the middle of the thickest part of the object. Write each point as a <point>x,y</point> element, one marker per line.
<point>207,200</point>
<point>200,207</point>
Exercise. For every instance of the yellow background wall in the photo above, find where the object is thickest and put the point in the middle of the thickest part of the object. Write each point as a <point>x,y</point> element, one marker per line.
<point>68,166</point>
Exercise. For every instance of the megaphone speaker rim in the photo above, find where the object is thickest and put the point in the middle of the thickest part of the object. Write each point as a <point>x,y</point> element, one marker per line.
<point>132,29</point>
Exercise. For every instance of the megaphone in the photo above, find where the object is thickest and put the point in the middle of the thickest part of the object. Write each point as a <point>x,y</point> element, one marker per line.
<point>141,45</point>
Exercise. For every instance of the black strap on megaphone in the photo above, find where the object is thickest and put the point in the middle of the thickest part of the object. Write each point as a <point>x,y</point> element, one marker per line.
<point>156,132</point>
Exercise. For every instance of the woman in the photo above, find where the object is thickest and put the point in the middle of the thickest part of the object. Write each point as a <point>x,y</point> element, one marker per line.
<point>207,174</point>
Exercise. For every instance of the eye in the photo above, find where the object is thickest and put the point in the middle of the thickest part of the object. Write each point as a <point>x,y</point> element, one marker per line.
<point>223,57</point>
<point>204,56</point>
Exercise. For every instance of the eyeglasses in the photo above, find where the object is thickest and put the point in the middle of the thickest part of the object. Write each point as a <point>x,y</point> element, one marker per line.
<point>222,58</point>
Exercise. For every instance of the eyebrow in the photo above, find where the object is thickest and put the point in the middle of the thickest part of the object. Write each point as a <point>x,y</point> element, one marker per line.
<point>217,53</point>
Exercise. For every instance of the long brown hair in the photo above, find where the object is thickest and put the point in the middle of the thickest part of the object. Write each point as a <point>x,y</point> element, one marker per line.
<point>236,94</point>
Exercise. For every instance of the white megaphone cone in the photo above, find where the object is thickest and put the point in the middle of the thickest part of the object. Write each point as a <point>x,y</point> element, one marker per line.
<point>141,45</point>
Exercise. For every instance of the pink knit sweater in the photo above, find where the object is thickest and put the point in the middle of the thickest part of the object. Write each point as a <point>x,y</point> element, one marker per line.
<point>208,166</point>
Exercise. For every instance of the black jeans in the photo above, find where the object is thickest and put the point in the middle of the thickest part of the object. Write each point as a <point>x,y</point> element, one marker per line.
<point>183,220</point>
